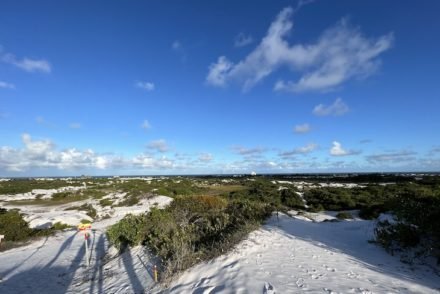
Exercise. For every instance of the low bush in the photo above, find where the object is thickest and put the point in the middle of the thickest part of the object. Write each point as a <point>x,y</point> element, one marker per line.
<point>344,215</point>
<point>61,195</point>
<point>87,208</point>
<point>291,199</point>
<point>17,230</point>
<point>190,229</point>
<point>131,200</point>
<point>395,237</point>
<point>372,212</point>
<point>417,210</point>
<point>13,226</point>
<point>105,202</point>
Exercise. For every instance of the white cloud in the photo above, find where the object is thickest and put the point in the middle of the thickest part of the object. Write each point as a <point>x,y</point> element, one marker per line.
<point>148,86</point>
<point>299,150</point>
<point>42,154</point>
<point>340,53</point>
<point>338,150</point>
<point>403,156</point>
<point>27,64</point>
<point>336,109</point>
<point>158,145</point>
<point>205,157</point>
<point>36,148</point>
<point>302,129</point>
<point>146,125</point>
<point>248,151</point>
<point>218,72</point>
<point>75,125</point>
<point>242,40</point>
<point>5,85</point>
<point>148,161</point>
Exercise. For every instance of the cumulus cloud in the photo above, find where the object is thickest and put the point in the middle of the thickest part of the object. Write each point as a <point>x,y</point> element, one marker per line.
<point>302,129</point>
<point>26,64</point>
<point>42,154</point>
<point>148,86</point>
<point>158,145</point>
<point>338,150</point>
<point>341,53</point>
<point>148,161</point>
<point>146,125</point>
<point>6,85</point>
<point>242,40</point>
<point>338,108</point>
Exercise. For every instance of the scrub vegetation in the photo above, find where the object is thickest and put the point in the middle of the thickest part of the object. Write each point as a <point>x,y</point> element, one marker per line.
<point>209,215</point>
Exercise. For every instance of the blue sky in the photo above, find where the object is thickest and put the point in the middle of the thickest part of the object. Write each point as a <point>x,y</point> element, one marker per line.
<point>188,87</point>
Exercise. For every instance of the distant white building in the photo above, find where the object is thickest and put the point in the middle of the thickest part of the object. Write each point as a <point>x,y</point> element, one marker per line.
<point>253,173</point>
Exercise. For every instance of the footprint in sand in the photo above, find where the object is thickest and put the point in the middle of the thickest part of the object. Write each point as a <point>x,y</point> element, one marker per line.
<point>318,276</point>
<point>301,284</point>
<point>329,291</point>
<point>330,269</point>
<point>353,275</point>
<point>268,288</point>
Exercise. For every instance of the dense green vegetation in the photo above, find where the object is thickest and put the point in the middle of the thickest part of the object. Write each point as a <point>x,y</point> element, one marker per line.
<point>209,215</point>
<point>267,192</point>
<point>417,210</point>
<point>17,231</point>
<point>191,229</point>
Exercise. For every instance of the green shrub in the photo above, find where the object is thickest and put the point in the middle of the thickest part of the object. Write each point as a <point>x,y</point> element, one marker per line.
<point>105,202</point>
<point>17,231</point>
<point>397,236</point>
<point>58,226</point>
<point>344,215</point>
<point>13,226</point>
<point>131,200</point>
<point>190,229</point>
<point>61,195</point>
<point>417,209</point>
<point>291,199</point>
<point>372,212</point>
<point>87,208</point>
<point>127,231</point>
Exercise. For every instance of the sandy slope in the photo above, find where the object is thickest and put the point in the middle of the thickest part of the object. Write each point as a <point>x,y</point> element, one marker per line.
<point>285,256</point>
<point>295,256</point>
<point>58,264</point>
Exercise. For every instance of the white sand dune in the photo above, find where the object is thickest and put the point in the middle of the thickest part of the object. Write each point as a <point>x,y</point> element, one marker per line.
<point>296,256</point>
<point>286,256</point>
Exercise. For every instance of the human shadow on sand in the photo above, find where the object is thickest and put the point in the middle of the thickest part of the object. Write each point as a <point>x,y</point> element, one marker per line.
<point>47,279</point>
